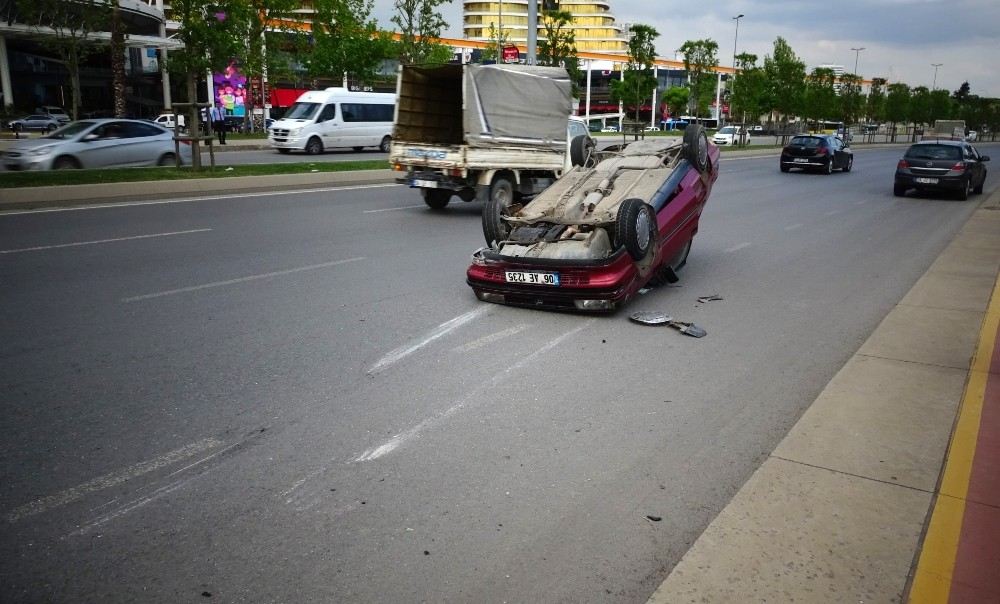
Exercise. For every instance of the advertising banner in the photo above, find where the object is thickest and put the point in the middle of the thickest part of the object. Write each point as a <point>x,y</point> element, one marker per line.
<point>230,88</point>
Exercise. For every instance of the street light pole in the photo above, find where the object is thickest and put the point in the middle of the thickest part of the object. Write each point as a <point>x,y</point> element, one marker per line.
<point>857,53</point>
<point>735,42</point>
<point>935,66</point>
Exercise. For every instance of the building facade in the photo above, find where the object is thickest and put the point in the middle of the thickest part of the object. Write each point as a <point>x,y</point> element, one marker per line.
<point>593,26</point>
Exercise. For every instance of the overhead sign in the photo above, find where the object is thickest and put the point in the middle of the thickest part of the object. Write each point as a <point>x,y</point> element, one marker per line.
<point>511,54</point>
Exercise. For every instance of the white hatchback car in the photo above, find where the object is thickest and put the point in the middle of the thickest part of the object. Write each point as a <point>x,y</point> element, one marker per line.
<point>728,135</point>
<point>97,144</point>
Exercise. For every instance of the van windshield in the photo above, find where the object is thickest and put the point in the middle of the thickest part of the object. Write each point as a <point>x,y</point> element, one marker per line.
<point>302,111</point>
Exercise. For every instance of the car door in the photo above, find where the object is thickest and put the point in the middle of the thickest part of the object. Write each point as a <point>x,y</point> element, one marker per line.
<point>143,144</point>
<point>837,148</point>
<point>101,147</point>
<point>972,161</point>
<point>326,124</point>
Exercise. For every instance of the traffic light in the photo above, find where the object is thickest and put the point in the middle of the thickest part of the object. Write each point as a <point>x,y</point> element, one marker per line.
<point>550,5</point>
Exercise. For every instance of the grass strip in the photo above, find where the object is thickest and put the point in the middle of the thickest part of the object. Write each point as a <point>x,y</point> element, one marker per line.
<point>10,180</point>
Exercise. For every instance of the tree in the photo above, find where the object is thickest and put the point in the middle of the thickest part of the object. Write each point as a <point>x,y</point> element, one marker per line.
<point>897,105</point>
<point>420,26</point>
<point>749,89</point>
<point>69,29</point>
<point>700,61</point>
<point>495,39</point>
<point>118,60</point>
<point>676,99</point>
<point>962,93</point>
<point>211,31</point>
<point>261,16</point>
<point>346,41</point>
<point>940,106</point>
<point>875,104</point>
<point>557,47</point>
<point>851,101</point>
<point>785,76</point>
<point>819,101</point>
<point>638,83</point>
<point>920,105</point>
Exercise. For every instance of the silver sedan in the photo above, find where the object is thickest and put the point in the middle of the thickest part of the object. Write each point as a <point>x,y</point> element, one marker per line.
<point>97,144</point>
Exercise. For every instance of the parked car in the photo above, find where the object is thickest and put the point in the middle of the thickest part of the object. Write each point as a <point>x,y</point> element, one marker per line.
<point>97,144</point>
<point>602,231</point>
<point>756,130</point>
<point>37,121</point>
<point>54,111</point>
<point>728,135</point>
<point>941,165</point>
<point>609,129</point>
<point>822,152</point>
<point>167,120</point>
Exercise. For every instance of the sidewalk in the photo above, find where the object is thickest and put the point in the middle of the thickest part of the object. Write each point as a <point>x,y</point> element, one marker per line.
<point>887,489</point>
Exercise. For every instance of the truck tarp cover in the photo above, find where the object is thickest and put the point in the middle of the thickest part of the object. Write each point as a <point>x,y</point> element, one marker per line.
<point>516,104</point>
<point>505,105</point>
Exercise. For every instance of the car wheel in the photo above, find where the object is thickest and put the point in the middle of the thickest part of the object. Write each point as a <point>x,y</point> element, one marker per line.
<point>829,167</point>
<point>696,146</point>
<point>436,199</point>
<point>634,227</point>
<point>167,159</point>
<point>966,187</point>
<point>784,168</point>
<point>849,164</point>
<point>495,228</point>
<point>284,151</point>
<point>979,188</point>
<point>385,144</point>
<point>898,190</point>
<point>50,128</point>
<point>65,163</point>
<point>581,148</point>
<point>314,146</point>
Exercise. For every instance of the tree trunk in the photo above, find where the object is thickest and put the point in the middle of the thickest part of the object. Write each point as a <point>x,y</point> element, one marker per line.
<point>118,61</point>
<point>192,120</point>
<point>73,64</point>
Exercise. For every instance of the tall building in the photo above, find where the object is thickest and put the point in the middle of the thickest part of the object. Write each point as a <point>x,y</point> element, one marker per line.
<point>593,23</point>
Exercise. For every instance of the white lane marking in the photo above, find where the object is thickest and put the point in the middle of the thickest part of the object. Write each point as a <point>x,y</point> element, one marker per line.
<point>109,480</point>
<point>860,202</point>
<point>393,209</point>
<point>131,505</point>
<point>193,288</point>
<point>399,439</point>
<point>833,212</point>
<point>493,337</point>
<point>792,227</point>
<point>438,332</point>
<point>128,204</point>
<point>739,247</point>
<point>132,238</point>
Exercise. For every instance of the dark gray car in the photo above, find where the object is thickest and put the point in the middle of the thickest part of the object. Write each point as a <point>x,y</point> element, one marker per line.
<point>941,165</point>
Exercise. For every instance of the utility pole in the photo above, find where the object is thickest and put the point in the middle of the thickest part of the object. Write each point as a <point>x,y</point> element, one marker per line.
<point>935,66</point>
<point>532,32</point>
<point>735,41</point>
<point>857,53</point>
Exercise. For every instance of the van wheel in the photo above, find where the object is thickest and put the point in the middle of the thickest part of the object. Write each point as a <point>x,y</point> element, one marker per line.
<point>284,151</point>
<point>384,145</point>
<point>436,199</point>
<point>167,159</point>
<point>314,146</point>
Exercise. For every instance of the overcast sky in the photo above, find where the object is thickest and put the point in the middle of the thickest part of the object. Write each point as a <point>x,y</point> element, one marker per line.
<point>902,38</point>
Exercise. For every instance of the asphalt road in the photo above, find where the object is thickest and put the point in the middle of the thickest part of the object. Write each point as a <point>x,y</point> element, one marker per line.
<point>270,156</point>
<point>296,398</point>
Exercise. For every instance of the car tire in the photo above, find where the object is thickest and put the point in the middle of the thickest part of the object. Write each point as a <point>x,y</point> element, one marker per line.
<point>49,128</point>
<point>581,148</point>
<point>495,228</point>
<point>784,168</point>
<point>167,159</point>
<point>978,189</point>
<point>385,144</point>
<point>898,190</point>
<point>634,226</point>
<point>849,164</point>
<point>314,146</point>
<point>284,151</point>
<point>436,199</point>
<point>696,146</point>
<point>966,187</point>
<point>828,169</point>
<point>65,163</point>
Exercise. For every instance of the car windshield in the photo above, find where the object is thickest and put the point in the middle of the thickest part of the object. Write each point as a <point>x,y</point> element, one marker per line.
<point>302,111</point>
<point>807,141</point>
<point>728,130</point>
<point>69,130</point>
<point>934,152</point>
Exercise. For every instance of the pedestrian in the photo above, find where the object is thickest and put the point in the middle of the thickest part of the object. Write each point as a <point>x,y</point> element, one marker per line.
<point>219,123</point>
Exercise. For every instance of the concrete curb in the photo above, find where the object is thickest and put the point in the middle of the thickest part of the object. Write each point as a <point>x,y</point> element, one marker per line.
<point>838,511</point>
<point>35,197</point>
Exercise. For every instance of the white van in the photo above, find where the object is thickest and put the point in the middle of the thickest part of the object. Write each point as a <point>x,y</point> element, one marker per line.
<point>335,117</point>
<point>167,120</point>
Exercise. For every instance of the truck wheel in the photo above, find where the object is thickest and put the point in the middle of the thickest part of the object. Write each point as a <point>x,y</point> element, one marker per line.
<point>314,146</point>
<point>436,199</point>
<point>634,227</point>
<point>384,145</point>
<point>502,190</point>
<point>581,148</point>
<point>696,146</point>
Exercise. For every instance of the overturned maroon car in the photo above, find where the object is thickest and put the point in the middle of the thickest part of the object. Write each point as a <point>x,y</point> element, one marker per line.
<point>622,218</point>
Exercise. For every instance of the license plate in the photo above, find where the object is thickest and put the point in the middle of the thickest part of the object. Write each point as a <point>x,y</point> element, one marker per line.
<point>801,160</point>
<point>926,181</point>
<point>427,184</point>
<point>532,278</point>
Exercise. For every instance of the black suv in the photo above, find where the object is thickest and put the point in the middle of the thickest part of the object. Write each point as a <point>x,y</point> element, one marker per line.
<point>941,165</point>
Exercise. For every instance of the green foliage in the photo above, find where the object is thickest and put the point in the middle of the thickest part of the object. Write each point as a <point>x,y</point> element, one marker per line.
<point>786,76</point>
<point>212,32</point>
<point>557,47</point>
<point>851,100</point>
<point>875,103</point>
<point>749,89</point>
<point>819,101</point>
<point>676,99</point>
<point>920,105</point>
<point>496,38</point>
<point>941,107</point>
<point>346,40</point>
<point>700,60</point>
<point>897,103</point>
<point>638,84</point>
<point>419,24</point>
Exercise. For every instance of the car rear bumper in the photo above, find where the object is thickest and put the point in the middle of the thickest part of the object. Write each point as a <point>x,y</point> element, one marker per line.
<point>804,162</point>
<point>943,183</point>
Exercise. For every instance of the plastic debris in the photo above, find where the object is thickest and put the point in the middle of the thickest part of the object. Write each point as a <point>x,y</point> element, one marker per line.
<point>652,317</point>
<point>711,298</point>
<point>655,518</point>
